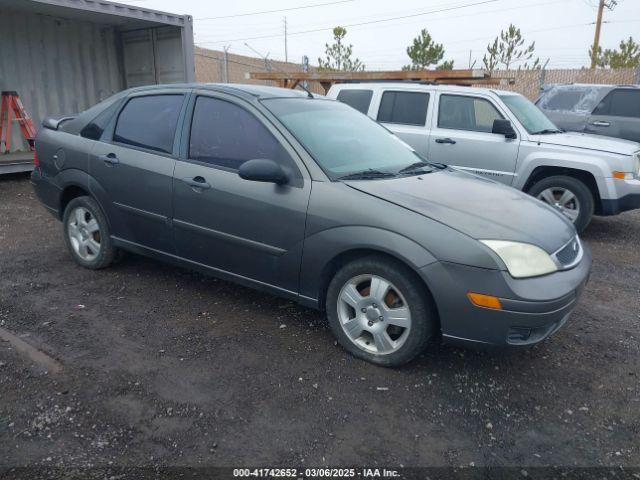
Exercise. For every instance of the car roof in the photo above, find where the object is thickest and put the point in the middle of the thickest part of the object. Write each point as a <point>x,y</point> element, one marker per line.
<point>245,90</point>
<point>590,85</point>
<point>419,86</point>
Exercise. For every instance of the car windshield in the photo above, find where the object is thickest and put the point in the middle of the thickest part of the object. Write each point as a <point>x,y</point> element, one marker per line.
<point>343,141</point>
<point>530,116</point>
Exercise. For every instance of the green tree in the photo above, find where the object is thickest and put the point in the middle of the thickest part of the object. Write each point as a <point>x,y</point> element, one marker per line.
<point>508,50</point>
<point>446,65</point>
<point>338,55</point>
<point>424,52</point>
<point>627,56</point>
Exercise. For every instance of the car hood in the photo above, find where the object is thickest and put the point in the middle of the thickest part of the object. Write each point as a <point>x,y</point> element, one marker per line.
<point>479,208</point>
<point>588,141</point>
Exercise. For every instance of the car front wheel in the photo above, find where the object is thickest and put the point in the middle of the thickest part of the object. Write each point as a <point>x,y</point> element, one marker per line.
<point>569,196</point>
<point>379,311</point>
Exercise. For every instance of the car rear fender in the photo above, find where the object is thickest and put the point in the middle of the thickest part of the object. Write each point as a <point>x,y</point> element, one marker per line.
<point>77,179</point>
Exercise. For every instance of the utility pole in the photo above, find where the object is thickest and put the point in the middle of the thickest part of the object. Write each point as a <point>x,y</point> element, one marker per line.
<point>596,38</point>
<point>225,76</point>
<point>286,53</point>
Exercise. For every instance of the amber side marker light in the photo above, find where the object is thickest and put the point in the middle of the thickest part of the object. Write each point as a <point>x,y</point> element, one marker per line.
<point>485,301</point>
<point>623,175</point>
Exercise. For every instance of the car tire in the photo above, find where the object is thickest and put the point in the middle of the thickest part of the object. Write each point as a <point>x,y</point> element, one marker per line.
<point>86,234</point>
<point>406,317</point>
<point>551,191</point>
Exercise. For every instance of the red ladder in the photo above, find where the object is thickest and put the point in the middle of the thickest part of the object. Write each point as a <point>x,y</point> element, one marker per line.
<point>11,105</point>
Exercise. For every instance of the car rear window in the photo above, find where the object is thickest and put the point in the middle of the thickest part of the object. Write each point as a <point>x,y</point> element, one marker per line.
<point>406,108</point>
<point>149,122</point>
<point>358,99</point>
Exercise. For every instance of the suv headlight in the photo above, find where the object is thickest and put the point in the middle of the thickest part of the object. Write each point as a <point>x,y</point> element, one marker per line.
<point>522,259</point>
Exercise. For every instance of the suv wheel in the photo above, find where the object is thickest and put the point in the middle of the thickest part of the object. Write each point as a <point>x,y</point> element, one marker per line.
<point>569,196</point>
<point>378,310</point>
<point>86,234</point>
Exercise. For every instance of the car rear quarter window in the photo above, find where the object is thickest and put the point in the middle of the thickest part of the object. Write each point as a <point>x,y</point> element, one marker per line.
<point>358,99</point>
<point>460,112</point>
<point>406,108</point>
<point>149,122</point>
<point>620,103</point>
<point>227,135</point>
<point>96,127</point>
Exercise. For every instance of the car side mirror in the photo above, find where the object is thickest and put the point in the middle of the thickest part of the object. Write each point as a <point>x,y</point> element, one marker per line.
<point>263,170</point>
<point>503,127</point>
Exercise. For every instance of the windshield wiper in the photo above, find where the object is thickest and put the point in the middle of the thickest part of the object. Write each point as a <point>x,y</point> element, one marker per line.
<point>367,174</point>
<point>416,167</point>
<point>547,131</point>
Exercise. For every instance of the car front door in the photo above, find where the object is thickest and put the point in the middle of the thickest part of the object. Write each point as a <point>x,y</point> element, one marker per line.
<point>251,230</point>
<point>405,114</point>
<point>617,115</point>
<point>461,137</point>
<point>133,169</point>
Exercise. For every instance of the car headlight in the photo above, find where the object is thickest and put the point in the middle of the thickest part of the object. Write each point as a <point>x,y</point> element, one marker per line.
<point>522,259</point>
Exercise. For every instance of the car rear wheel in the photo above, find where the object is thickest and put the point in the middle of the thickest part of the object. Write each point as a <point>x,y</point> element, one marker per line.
<point>569,196</point>
<point>379,311</point>
<point>86,234</point>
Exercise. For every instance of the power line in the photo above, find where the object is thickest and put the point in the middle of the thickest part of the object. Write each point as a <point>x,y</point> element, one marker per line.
<point>390,19</point>
<point>276,11</point>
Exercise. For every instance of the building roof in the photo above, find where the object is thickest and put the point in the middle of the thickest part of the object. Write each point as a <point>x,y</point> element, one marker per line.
<point>97,11</point>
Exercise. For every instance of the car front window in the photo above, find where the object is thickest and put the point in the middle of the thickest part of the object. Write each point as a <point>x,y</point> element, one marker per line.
<point>340,139</point>
<point>530,116</point>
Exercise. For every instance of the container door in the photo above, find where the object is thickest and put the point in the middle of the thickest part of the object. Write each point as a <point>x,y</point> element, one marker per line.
<point>153,56</point>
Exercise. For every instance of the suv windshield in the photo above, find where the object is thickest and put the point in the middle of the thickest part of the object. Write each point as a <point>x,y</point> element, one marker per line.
<point>530,116</point>
<point>343,141</point>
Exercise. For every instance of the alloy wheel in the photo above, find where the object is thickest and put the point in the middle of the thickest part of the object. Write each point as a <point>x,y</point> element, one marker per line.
<point>562,199</point>
<point>374,314</point>
<point>84,234</point>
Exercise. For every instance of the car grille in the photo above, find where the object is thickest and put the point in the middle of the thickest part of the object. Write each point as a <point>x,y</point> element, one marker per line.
<point>570,254</point>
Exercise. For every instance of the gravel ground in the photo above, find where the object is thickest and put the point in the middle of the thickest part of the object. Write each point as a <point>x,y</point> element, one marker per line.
<point>165,367</point>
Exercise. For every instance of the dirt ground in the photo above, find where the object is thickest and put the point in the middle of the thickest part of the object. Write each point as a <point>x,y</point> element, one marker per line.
<point>165,367</point>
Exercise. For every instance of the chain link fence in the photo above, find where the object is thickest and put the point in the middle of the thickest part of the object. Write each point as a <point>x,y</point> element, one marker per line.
<point>529,82</point>
<point>214,66</point>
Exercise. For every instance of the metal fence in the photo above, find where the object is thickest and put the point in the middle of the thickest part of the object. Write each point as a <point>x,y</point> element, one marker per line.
<point>214,66</point>
<point>529,82</point>
<point>217,66</point>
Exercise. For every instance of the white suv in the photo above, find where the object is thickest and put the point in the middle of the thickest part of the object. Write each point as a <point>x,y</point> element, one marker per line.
<point>505,137</point>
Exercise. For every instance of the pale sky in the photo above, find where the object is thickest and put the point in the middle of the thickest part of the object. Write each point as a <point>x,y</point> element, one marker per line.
<point>562,29</point>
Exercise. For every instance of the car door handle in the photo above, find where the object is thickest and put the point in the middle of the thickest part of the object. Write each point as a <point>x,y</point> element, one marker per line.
<point>197,183</point>
<point>109,159</point>
<point>600,123</point>
<point>445,140</point>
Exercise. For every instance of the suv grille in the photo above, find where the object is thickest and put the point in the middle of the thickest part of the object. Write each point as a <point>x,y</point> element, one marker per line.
<point>568,255</point>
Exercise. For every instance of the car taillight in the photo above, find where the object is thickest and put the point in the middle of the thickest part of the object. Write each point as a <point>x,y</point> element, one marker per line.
<point>36,160</point>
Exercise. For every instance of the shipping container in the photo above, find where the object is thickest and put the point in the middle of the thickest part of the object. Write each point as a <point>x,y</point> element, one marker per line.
<point>62,56</point>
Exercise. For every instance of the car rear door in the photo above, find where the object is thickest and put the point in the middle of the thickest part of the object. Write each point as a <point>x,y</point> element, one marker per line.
<point>250,230</point>
<point>133,168</point>
<point>461,137</point>
<point>406,113</point>
<point>617,115</point>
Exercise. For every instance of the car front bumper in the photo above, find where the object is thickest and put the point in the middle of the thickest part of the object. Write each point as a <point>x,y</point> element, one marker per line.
<point>627,197</point>
<point>532,308</point>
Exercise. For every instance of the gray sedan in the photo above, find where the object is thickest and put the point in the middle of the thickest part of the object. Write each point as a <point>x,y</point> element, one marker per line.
<point>309,199</point>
